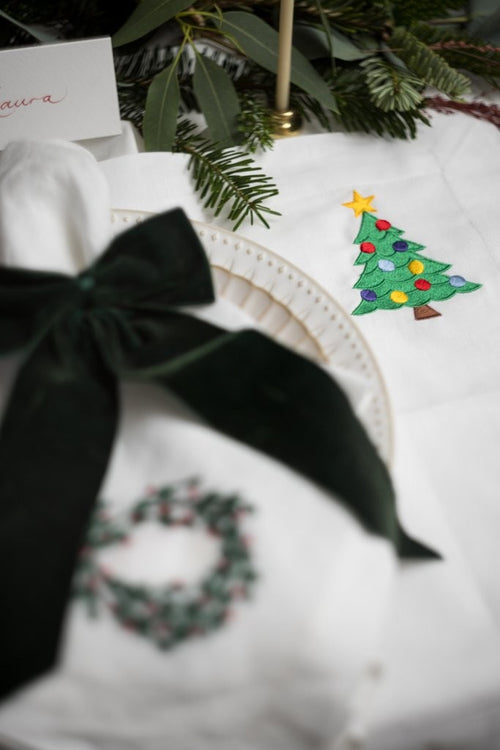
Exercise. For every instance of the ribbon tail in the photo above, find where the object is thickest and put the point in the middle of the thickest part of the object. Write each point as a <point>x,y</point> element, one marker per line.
<point>246,385</point>
<point>55,442</point>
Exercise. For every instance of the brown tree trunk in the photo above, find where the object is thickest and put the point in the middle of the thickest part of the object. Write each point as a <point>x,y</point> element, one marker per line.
<point>425,311</point>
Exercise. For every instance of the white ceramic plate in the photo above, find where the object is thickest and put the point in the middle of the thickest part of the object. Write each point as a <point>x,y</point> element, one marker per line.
<point>297,312</point>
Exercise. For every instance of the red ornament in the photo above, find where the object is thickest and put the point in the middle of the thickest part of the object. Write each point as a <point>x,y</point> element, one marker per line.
<point>382,224</point>
<point>422,284</point>
<point>367,247</point>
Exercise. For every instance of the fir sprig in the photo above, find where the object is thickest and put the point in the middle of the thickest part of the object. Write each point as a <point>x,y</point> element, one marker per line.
<point>432,69</point>
<point>391,87</point>
<point>255,124</point>
<point>461,51</point>
<point>359,113</point>
<point>226,178</point>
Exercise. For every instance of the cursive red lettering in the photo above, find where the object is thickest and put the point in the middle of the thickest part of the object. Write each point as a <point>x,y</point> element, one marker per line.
<point>49,100</point>
<point>8,106</point>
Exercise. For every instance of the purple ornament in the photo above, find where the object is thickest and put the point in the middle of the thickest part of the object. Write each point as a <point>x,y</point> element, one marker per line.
<point>400,246</point>
<point>457,281</point>
<point>368,295</point>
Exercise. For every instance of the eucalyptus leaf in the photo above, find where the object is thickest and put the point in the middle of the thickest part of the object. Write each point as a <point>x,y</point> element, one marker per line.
<point>310,41</point>
<point>313,43</point>
<point>218,100</point>
<point>345,49</point>
<point>162,107</point>
<point>40,33</point>
<point>147,16</point>
<point>259,41</point>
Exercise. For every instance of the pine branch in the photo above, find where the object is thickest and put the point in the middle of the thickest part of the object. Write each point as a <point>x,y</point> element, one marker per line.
<point>226,176</point>
<point>390,87</point>
<point>132,100</point>
<point>382,94</point>
<point>428,65</point>
<point>461,50</point>
<point>255,124</point>
<point>357,112</point>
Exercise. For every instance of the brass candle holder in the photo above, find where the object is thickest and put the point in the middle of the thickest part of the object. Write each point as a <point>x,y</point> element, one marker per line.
<point>286,122</point>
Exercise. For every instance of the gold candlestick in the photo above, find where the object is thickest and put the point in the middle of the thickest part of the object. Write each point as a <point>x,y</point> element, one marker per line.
<point>286,122</point>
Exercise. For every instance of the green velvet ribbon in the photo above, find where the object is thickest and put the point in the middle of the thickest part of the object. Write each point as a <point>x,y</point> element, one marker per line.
<point>120,319</point>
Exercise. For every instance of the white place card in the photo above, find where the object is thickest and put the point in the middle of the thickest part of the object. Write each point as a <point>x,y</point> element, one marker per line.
<point>63,90</point>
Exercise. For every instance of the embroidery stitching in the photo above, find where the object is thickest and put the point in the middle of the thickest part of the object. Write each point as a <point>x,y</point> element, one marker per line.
<point>394,275</point>
<point>173,612</point>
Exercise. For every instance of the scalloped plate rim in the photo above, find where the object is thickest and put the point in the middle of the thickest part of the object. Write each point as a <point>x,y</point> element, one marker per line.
<point>387,449</point>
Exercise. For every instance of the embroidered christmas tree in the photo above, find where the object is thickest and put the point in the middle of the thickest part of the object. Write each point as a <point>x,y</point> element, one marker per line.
<point>395,273</point>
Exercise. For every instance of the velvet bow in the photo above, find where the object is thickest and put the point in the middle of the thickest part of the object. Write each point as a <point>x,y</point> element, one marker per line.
<point>120,319</point>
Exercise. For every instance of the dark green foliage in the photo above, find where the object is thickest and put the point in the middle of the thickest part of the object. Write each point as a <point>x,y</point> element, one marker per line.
<point>255,124</point>
<point>365,16</point>
<point>427,64</point>
<point>407,11</point>
<point>358,113</point>
<point>391,87</point>
<point>362,66</point>
<point>73,19</point>
<point>460,50</point>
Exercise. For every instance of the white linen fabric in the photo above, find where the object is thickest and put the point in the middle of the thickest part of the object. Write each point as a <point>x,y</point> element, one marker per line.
<point>284,673</point>
<point>49,220</point>
<point>441,683</point>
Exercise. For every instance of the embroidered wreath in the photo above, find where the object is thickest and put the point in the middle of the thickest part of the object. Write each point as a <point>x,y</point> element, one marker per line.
<point>170,613</point>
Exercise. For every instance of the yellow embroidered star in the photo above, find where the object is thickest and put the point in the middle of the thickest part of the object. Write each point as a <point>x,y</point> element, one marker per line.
<point>360,204</point>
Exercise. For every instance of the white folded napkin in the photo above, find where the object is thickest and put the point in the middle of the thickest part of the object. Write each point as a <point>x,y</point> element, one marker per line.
<point>282,673</point>
<point>54,207</point>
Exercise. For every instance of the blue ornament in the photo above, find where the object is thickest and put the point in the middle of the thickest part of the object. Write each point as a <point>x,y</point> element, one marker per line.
<point>386,265</point>
<point>369,295</point>
<point>457,281</point>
